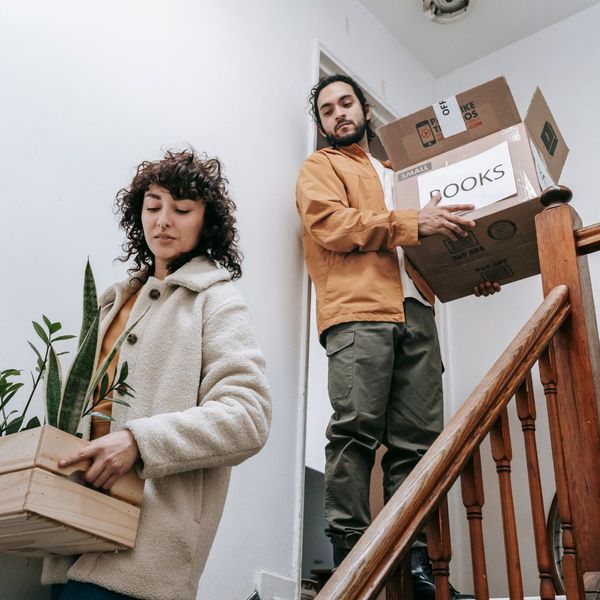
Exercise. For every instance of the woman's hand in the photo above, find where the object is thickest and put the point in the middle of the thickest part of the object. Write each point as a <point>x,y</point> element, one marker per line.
<point>112,455</point>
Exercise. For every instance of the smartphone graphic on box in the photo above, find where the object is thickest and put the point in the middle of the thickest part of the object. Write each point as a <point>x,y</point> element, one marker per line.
<point>425,133</point>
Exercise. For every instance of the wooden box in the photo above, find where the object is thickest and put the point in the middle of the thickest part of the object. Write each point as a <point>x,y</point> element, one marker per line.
<point>44,513</point>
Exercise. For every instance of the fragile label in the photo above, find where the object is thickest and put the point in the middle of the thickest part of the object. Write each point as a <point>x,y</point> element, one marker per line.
<point>479,180</point>
<point>449,116</point>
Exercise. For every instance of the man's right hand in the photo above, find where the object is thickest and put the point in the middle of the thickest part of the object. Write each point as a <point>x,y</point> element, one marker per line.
<point>441,219</point>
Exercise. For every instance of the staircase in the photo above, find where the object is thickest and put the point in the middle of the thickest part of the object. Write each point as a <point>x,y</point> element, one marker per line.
<point>562,338</point>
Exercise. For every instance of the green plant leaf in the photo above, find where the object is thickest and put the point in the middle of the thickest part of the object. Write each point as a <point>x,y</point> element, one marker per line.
<point>60,338</point>
<point>90,302</point>
<point>40,331</point>
<point>10,391</point>
<point>33,422</point>
<point>4,402</point>
<point>35,350</point>
<point>10,373</point>
<point>102,416</point>
<point>53,388</point>
<point>124,372</point>
<point>103,388</point>
<point>48,322</point>
<point>117,401</point>
<point>101,370</point>
<point>4,423</point>
<point>14,425</point>
<point>78,379</point>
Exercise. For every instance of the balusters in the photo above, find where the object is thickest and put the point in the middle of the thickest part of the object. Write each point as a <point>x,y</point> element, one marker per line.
<point>439,549</point>
<point>502,455</point>
<point>527,415</point>
<point>399,586</point>
<point>472,494</point>
<point>573,578</point>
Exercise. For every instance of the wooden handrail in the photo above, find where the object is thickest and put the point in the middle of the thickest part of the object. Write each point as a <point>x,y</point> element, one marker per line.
<point>379,551</point>
<point>587,239</point>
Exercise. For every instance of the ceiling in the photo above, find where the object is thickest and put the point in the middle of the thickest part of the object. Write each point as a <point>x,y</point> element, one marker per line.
<point>488,26</point>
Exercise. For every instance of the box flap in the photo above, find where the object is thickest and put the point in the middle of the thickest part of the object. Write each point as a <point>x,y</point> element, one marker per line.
<point>484,109</point>
<point>546,135</point>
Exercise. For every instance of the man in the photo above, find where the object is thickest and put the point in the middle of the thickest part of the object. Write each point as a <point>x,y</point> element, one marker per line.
<point>374,316</point>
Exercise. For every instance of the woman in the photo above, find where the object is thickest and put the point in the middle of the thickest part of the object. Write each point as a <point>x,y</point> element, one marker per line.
<point>201,397</point>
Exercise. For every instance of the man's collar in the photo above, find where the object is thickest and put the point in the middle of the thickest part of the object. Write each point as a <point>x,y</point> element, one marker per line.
<point>352,149</point>
<point>356,150</point>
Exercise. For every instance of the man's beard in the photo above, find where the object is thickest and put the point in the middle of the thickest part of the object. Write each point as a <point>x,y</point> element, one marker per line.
<point>351,138</point>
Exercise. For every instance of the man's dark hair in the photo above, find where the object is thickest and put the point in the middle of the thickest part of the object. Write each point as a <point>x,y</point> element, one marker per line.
<point>186,176</point>
<point>323,83</point>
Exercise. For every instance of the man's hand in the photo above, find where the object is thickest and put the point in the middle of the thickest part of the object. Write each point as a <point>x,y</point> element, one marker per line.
<point>487,288</point>
<point>112,455</point>
<point>441,219</point>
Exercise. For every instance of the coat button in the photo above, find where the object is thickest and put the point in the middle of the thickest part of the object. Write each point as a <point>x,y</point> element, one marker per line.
<point>132,338</point>
<point>154,294</point>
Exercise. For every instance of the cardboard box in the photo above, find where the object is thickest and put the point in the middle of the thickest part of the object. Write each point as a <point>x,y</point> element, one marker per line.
<point>501,165</point>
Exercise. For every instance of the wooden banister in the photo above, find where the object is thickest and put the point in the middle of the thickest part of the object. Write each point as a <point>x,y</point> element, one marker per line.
<point>587,239</point>
<point>577,359</point>
<point>527,415</point>
<point>502,455</point>
<point>440,549</point>
<point>473,499</point>
<point>379,551</point>
<point>571,562</point>
<point>562,335</point>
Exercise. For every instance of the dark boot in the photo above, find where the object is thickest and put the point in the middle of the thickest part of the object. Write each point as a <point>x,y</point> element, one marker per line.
<point>341,549</point>
<point>422,575</point>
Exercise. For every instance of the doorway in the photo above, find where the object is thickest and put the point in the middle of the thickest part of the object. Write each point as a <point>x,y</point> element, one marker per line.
<point>317,558</point>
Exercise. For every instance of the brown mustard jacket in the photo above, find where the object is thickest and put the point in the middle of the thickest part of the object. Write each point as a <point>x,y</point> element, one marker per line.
<point>350,239</point>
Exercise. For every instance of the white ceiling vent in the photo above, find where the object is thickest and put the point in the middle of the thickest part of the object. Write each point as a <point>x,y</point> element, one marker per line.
<point>445,11</point>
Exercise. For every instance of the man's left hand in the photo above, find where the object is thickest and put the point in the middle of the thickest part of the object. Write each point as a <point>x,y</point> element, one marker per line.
<point>487,288</point>
<point>112,456</point>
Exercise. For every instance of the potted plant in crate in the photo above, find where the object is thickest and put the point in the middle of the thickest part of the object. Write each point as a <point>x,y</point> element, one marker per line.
<point>42,511</point>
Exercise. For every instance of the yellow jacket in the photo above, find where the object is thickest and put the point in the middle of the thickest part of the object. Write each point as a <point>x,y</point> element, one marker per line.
<point>350,239</point>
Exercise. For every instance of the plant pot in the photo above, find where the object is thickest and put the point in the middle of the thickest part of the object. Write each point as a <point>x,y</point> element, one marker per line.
<point>43,512</point>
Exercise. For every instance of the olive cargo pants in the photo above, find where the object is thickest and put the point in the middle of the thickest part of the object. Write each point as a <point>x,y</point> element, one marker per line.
<point>385,387</point>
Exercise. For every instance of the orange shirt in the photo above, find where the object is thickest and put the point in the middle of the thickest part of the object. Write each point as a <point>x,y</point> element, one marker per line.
<point>100,426</point>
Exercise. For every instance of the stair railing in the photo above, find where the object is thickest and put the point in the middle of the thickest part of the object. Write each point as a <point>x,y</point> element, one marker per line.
<point>562,337</point>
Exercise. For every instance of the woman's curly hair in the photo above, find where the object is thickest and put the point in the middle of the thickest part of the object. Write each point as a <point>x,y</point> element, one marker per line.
<point>186,176</point>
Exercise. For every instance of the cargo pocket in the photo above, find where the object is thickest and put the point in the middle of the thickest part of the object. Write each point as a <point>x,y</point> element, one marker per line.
<point>340,354</point>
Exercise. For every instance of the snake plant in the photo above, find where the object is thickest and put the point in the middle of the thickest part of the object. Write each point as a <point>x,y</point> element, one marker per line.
<point>70,399</point>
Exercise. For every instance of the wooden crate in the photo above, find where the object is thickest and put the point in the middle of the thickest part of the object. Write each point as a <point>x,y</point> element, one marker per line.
<point>43,513</point>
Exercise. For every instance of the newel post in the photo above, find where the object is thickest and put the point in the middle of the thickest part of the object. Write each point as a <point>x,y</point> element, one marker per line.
<point>577,355</point>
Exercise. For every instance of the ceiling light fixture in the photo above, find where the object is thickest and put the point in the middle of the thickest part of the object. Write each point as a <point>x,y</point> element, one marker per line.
<point>445,11</point>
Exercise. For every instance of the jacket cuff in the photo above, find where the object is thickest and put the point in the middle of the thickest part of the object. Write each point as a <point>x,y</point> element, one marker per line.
<point>144,431</point>
<point>406,227</point>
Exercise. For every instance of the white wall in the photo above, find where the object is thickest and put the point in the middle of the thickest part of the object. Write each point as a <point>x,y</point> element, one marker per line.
<point>564,60</point>
<point>88,92</point>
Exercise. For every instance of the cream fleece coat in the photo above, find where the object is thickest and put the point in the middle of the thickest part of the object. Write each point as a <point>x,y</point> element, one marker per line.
<point>201,406</point>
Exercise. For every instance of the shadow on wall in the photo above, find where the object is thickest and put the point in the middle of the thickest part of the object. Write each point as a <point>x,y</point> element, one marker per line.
<point>22,574</point>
